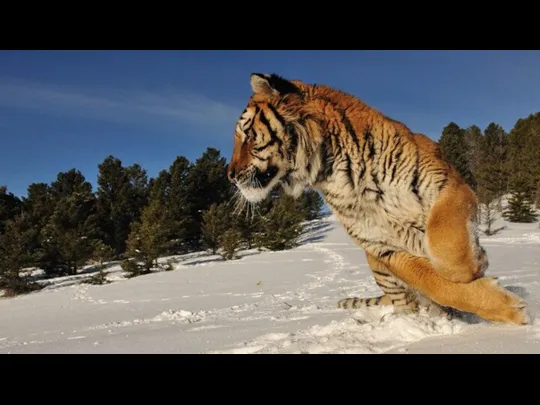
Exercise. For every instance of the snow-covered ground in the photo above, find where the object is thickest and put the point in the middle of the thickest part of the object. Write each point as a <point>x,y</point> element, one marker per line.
<point>269,302</point>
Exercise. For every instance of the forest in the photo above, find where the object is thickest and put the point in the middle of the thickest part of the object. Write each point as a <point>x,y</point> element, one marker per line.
<point>191,206</point>
<point>188,207</point>
<point>498,164</point>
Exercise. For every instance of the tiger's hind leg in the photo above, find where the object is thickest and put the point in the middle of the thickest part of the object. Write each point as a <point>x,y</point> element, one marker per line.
<point>395,293</point>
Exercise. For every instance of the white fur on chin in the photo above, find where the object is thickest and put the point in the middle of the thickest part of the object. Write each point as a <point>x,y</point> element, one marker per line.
<point>257,194</point>
<point>254,195</point>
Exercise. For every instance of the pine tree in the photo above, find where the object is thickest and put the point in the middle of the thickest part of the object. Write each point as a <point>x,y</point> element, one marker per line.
<point>121,196</point>
<point>148,239</point>
<point>10,206</point>
<point>101,253</point>
<point>170,187</point>
<point>474,144</point>
<point>206,183</point>
<point>39,203</point>
<point>138,195</point>
<point>524,169</point>
<point>520,208</point>
<point>524,155</point>
<point>494,162</point>
<point>489,217</point>
<point>310,203</point>
<point>215,221</point>
<point>111,182</point>
<point>68,238</point>
<point>65,240</point>
<point>248,219</point>
<point>247,226</point>
<point>491,169</point>
<point>15,255</point>
<point>158,187</point>
<point>69,183</point>
<point>39,206</point>
<point>454,149</point>
<point>282,225</point>
<point>534,149</point>
<point>179,204</point>
<point>537,200</point>
<point>230,242</point>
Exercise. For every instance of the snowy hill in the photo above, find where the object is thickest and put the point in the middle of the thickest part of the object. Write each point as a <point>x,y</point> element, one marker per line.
<point>266,302</point>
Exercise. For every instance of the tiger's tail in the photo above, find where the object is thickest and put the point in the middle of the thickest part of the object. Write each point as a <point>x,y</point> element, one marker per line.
<point>356,303</point>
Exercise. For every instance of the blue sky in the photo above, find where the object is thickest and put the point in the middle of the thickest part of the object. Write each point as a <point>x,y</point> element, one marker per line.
<point>70,109</point>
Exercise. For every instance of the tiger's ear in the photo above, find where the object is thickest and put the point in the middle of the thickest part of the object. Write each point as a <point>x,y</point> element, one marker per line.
<point>268,85</point>
<point>260,84</point>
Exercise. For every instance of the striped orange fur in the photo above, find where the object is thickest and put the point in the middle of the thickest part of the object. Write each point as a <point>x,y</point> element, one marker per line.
<point>396,196</point>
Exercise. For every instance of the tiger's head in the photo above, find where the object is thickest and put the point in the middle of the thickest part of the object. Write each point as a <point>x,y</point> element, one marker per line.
<point>270,139</point>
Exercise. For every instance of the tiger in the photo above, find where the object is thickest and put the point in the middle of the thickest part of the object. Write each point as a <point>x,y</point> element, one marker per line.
<point>391,189</point>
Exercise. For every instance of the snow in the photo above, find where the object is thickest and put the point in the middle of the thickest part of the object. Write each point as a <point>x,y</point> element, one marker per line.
<point>265,302</point>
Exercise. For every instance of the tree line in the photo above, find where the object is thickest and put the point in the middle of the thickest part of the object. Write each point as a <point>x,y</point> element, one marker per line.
<point>496,163</point>
<point>191,206</point>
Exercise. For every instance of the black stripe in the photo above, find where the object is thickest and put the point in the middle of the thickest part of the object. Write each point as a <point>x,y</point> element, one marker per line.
<point>403,301</point>
<point>391,290</point>
<point>380,273</point>
<point>348,169</point>
<point>385,253</point>
<point>293,141</point>
<point>261,148</point>
<point>442,183</point>
<point>368,139</point>
<point>361,172</point>
<point>327,159</point>
<point>243,112</point>
<point>333,196</point>
<point>371,156</point>
<point>247,124</point>
<point>264,121</point>
<point>376,244</point>
<point>424,180</point>
<point>336,145</point>
<point>280,119</point>
<point>348,126</point>
<point>291,131</point>
<point>396,155</point>
<point>257,110</point>
<point>414,181</point>
<point>273,135</point>
<point>395,161</point>
<point>389,280</point>
<point>384,143</point>
<point>404,166</point>
<point>387,162</point>
<point>260,158</point>
<point>378,192</point>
